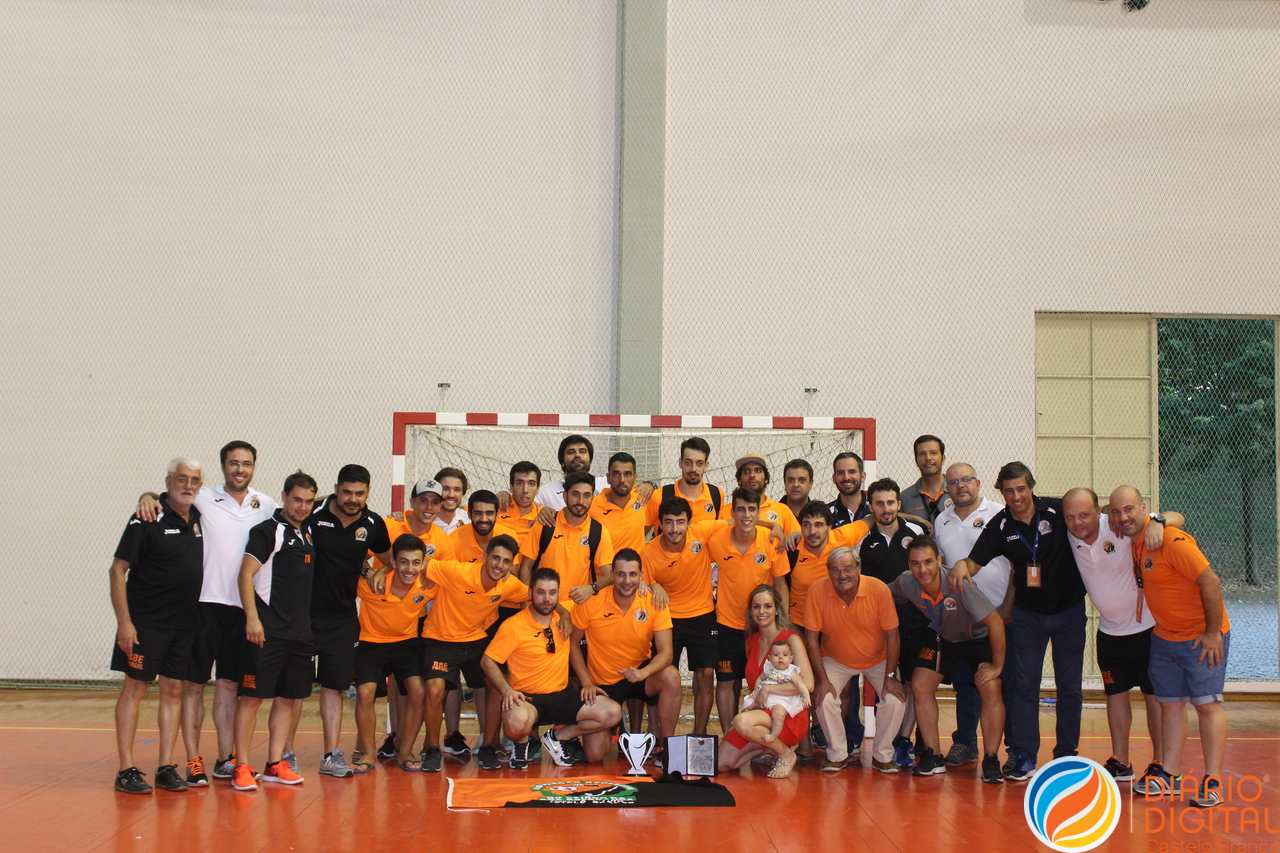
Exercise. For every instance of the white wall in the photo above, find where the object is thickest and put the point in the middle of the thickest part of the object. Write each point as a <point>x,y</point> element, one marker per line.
<point>874,199</point>
<point>282,221</point>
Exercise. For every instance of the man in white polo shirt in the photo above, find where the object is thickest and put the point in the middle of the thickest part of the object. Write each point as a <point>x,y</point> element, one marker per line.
<point>227,513</point>
<point>1105,561</point>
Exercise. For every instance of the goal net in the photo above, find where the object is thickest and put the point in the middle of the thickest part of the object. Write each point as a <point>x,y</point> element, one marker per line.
<point>485,446</point>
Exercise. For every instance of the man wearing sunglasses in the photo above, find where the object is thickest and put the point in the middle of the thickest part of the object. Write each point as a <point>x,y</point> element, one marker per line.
<point>535,689</point>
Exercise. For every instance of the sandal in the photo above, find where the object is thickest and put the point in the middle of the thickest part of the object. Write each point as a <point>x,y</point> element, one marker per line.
<point>783,768</point>
<point>358,767</point>
<point>410,765</point>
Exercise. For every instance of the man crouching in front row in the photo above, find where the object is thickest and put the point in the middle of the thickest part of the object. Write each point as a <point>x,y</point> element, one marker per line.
<point>535,691</point>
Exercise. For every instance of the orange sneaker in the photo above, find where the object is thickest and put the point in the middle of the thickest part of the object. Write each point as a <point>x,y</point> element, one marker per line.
<point>281,772</point>
<point>244,779</point>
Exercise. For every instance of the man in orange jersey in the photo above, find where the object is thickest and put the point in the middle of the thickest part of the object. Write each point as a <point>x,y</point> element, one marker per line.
<point>389,645</point>
<point>619,507</point>
<point>1188,648</point>
<point>677,567</point>
<point>754,474</point>
<point>425,500</point>
<point>630,642</point>
<point>469,543</point>
<point>535,689</point>
<point>577,546</point>
<point>852,629</point>
<point>520,514</point>
<point>456,635</point>
<point>746,559</point>
<point>276,578</point>
<point>704,499</point>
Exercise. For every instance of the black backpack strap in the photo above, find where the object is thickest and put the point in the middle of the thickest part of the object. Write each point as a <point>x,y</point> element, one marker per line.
<point>593,541</point>
<point>668,491</point>
<point>717,497</point>
<point>544,540</point>
<point>793,557</point>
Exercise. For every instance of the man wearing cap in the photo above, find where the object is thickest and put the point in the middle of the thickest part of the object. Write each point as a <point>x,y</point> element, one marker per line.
<point>753,473</point>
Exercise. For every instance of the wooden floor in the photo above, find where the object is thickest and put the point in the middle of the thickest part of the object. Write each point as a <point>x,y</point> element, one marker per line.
<point>57,761</point>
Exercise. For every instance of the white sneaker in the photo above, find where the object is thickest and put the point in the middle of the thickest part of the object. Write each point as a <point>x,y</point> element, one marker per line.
<point>555,749</point>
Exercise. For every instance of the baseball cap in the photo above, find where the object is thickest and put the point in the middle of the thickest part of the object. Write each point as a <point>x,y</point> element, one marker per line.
<point>427,485</point>
<point>749,459</point>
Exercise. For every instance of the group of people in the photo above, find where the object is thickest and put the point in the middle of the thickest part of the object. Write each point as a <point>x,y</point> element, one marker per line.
<point>566,604</point>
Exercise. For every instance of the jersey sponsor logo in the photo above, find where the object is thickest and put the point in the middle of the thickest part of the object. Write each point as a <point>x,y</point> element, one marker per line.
<point>195,528</point>
<point>772,516</point>
<point>607,511</point>
<point>135,521</point>
<point>494,599</point>
<point>584,540</point>
<point>468,592</point>
<point>306,558</point>
<point>308,537</point>
<point>1147,564</point>
<point>250,681</point>
<point>439,666</point>
<point>431,550</point>
<point>949,603</point>
<point>220,500</point>
<point>694,547</point>
<point>979,522</point>
<point>725,666</point>
<point>1044,527</point>
<point>135,661</point>
<point>167,531</point>
<point>361,534</point>
<point>642,615</point>
<point>607,615</point>
<point>419,598</point>
<point>926,653</point>
<point>557,536</point>
<point>1013,538</point>
<point>906,542</point>
<point>1109,547</point>
<point>875,544</point>
<point>636,506</point>
<point>708,507</point>
<point>759,558</point>
<point>255,503</point>
<point>325,523</point>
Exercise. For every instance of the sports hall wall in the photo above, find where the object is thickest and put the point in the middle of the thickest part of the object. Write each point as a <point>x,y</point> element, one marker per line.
<point>283,221</point>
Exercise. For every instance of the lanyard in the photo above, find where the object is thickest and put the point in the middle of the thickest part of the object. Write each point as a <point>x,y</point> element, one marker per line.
<point>1031,546</point>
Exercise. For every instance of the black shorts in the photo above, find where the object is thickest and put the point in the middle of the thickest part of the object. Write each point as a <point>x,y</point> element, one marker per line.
<point>697,634</point>
<point>1123,662</point>
<point>731,653</point>
<point>336,640</point>
<point>944,657</point>
<point>557,709</point>
<point>914,644</point>
<point>279,668</point>
<point>441,659</point>
<point>623,691</point>
<point>219,639</point>
<point>375,661</point>
<point>158,651</point>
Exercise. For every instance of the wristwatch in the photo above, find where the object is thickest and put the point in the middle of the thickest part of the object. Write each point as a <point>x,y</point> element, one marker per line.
<point>1155,516</point>
<point>595,588</point>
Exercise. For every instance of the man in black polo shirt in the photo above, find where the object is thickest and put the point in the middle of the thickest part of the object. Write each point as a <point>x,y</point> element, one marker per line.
<point>343,531</point>
<point>155,590</point>
<point>275,589</point>
<point>848,474</point>
<point>1048,604</point>
<point>884,557</point>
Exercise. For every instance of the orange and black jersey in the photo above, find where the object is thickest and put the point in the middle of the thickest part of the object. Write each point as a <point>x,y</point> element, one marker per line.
<point>282,586</point>
<point>166,568</point>
<point>340,556</point>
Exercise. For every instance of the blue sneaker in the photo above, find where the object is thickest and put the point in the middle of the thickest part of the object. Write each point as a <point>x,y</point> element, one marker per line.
<point>816,735</point>
<point>904,753</point>
<point>1158,783</point>
<point>1023,770</point>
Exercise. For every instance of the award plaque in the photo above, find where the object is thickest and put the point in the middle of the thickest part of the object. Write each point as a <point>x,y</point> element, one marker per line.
<point>692,755</point>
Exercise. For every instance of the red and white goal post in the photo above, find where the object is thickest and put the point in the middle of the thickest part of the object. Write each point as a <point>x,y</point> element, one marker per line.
<point>484,445</point>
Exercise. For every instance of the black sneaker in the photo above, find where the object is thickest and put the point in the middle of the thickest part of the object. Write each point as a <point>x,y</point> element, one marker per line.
<point>487,755</point>
<point>573,748</point>
<point>1159,783</point>
<point>196,777</point>
<point>520,755</point>
<point>818,736</point>
<point>991,771</point>
<point>930,764</point>
<point>535,748</point>
<point>167,778</point>
<point>431,759</point>
<point>388,749</point>
<point>225,768</point>
<point>131,781</point>
<point>1010,763</point>
<point>1119,772</point>
<point>456,745</point>
<point>1210,793</point>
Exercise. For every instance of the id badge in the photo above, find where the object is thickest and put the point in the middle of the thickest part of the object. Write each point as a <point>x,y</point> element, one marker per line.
<point>1033,575</point>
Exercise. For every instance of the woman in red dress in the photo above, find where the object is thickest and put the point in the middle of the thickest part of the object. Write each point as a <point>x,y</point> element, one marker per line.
<point>765,624</point>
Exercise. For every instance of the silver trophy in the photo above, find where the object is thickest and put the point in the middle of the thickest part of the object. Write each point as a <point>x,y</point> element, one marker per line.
<point>636,748</point>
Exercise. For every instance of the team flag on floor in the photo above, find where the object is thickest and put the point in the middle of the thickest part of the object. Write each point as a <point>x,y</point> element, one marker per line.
<point>587,791</point>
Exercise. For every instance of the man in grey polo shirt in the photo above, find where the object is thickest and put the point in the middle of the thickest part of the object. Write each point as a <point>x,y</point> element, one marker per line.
<point>927,497</point>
